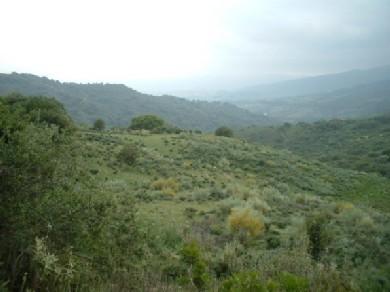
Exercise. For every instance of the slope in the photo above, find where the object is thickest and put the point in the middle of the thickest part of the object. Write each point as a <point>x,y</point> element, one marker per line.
<point>362,145</point>
<point>190,187</point>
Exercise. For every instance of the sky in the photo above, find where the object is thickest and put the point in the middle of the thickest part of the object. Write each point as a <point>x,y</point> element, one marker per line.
<point>163,46</point>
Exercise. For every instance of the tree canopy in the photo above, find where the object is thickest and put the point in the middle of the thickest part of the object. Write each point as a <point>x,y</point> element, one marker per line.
<point>224,131</point>
<point>146,122</point>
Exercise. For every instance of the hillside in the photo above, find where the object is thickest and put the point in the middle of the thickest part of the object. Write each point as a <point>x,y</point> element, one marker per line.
<point>134,211</point>
<point>118,104</point>
<point>190,187</point>
<point>355,144</point>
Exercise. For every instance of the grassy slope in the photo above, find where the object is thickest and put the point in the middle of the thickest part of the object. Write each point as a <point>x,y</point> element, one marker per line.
<point>217,174</point>
<point>204,161</point>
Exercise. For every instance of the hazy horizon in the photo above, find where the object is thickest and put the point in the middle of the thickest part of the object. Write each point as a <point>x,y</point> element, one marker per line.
<point>165,47</point>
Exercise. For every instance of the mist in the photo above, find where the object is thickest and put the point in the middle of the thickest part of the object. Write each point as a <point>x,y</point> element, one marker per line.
<point>164,47</point>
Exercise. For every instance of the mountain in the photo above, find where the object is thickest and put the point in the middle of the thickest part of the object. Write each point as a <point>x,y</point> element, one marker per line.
<point>359,101</point>
<point>117,104</point>
<point>312,85</point>
<point>362,144</point>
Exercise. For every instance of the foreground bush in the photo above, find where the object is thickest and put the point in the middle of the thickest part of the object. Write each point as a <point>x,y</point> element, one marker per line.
<point>58,233</point>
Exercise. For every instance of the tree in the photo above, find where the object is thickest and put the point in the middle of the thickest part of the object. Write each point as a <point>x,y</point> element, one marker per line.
<point>224,131</point>
<point>146,122</point>
<point>99,125</point>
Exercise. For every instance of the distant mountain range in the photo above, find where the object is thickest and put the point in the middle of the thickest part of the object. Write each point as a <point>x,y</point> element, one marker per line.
<point>349,94</point>
<point>118,104</point>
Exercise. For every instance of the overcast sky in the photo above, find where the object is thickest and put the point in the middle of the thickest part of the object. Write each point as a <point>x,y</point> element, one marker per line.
<point>167,45</point>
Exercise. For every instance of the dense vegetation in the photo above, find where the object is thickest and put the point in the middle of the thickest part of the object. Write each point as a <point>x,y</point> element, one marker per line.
<point>117,104</point>
<point>58,230</point>
<point>356,144</point>
<point>120,210</point>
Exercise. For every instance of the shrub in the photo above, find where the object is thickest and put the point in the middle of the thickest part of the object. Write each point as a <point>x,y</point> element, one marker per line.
<point>292,283</point>
<point>244,282</point>
<point>191,256</point>
<point>319,237</point>
<point>246,221</point>
<point>343,206</point>
<point>168,186</point>
<point>224,131</point>
<point>259,205</point>
<point>128,154</point>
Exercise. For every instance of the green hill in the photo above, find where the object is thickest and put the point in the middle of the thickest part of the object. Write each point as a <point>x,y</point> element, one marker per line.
<point>134,211</point>
<point>355,144</point>
<point>191,186</point>
<point>117,104</point>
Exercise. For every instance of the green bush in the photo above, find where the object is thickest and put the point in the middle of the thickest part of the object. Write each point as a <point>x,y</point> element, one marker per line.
<point>244,282</point>
<point>319,236</point>
<point>128,154</point>
<point>224,131</point>
<point>291,283</point>
<point>252,282</point>
<point>192,257</point>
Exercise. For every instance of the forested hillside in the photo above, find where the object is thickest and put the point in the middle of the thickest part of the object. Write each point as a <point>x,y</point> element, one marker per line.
<point>117,104</point>
<point>362,144</point>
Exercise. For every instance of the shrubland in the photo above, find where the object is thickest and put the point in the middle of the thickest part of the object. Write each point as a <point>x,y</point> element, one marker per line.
<point>192,212</point>
<point>362,145</point>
